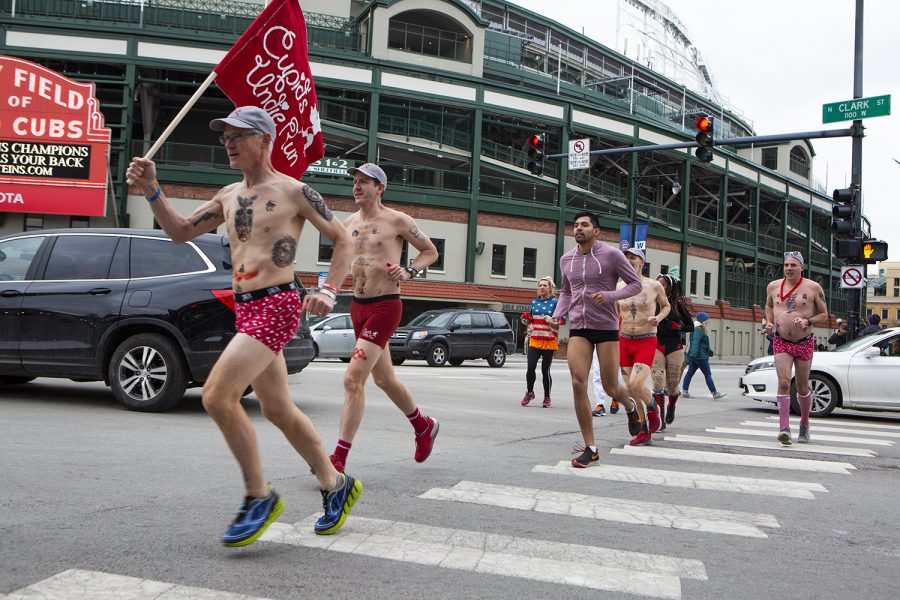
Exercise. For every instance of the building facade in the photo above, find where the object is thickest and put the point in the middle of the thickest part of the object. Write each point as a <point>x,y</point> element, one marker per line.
<point>883,294</point>
<point>442,94</point>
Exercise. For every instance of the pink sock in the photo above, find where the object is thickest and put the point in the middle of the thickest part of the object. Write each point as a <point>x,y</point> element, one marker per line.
<point>341,450</point>
<point>805,403</point>
<point>784,411</point>
<point>418,420</point>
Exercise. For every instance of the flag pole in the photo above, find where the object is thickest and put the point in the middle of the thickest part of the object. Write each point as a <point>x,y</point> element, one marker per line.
<point>168,131</point>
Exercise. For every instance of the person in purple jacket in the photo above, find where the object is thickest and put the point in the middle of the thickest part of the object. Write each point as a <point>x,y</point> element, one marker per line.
<point>588,295</point>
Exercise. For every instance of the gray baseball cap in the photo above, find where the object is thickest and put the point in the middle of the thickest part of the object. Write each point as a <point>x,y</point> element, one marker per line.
<point>370,170</point>
<point>637,252</point>
<point>246,117</point>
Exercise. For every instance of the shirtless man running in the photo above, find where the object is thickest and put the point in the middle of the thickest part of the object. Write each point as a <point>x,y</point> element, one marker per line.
<point>793,306</point>
<point>264,214</point>
<point>377,233</point>
<point>640,316</point>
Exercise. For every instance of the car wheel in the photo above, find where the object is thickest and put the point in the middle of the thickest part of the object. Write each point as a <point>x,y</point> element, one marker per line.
<point>345,359</point>
<point>825,395</point>
<point>147,373</point>
<point>398,361</point>
<point>315,351</point>
<point>14,379</point>
<point>497,357</point>
<point>456,361</point>
<point>437,356</point>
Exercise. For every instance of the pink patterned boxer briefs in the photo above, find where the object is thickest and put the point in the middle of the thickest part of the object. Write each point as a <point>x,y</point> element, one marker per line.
<point>800,350</point>
<point>272,319</point>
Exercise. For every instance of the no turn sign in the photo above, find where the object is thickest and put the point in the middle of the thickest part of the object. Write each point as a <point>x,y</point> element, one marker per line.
<point>579,154</point>
<point>853,277</point>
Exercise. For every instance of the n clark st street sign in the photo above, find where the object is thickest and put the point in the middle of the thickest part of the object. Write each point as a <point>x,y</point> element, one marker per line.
<point>860,108</point>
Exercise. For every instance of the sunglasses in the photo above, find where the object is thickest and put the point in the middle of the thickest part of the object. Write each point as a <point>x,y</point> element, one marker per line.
<point>233,137</point>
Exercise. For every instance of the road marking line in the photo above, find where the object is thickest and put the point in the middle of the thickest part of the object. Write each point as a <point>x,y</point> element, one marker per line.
<point>609,509</point>
<point>78,583</point>
<point>813,432</point>
<point>527,558</point>
<point>744,460</point>
<point>700,481</point>
<point>816,427</point>
<point>842,423</point>
<point>773,445</point>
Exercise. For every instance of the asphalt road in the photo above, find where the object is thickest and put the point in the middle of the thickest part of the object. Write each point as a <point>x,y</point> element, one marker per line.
<point>99,502</point>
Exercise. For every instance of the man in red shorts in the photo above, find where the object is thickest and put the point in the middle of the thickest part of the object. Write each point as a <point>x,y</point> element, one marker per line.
<point>377,233</point>
<point>264,214</point>
<point>793,306</point>
<point>637,343</point>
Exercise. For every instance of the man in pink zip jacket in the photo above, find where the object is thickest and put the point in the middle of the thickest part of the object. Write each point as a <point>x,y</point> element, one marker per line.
<point>588,295</point>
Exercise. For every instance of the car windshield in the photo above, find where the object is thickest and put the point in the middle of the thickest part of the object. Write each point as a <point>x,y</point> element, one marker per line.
<point>431,319</point>
<point>316,319</point>
<point>856,344</point>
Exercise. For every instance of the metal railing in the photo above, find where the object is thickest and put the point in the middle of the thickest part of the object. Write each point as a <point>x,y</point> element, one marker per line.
<point>739,233</point>
<point>770,243</point>
<point>705,225</point>
<point>426,130</point>
<point>656,212</point>
<point>534,191</point>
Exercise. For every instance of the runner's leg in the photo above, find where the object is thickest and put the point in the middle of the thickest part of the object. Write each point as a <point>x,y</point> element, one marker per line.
<point>578,356</point>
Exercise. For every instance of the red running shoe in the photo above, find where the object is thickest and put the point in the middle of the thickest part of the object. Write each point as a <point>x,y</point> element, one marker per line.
<point>425,440</point>
<point>641,439</point>
<point>529,396</point>
<point>653,422</point>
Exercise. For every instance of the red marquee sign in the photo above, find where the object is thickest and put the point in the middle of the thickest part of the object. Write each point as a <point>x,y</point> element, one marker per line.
<point>53,146</point>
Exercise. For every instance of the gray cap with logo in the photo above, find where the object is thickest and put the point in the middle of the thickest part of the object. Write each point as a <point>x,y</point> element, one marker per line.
<point>246,117</point>
<point>370,170</point>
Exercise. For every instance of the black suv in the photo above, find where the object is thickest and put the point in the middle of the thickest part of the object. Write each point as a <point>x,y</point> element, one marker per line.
<point>123,306</point>
<point>454,335</point>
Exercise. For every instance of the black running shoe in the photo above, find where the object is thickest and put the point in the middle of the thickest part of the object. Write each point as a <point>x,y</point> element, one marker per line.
<point>634,426</point>
<point>586,457</point>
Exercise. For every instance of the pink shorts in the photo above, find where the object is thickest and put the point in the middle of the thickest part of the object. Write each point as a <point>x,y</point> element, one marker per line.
<point>270,316</point>
<point>636,350</point>
<point>376,319</point>
<point>800,350</point>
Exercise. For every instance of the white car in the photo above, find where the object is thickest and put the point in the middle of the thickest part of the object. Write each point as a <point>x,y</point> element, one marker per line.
<point>862,374</point>
<point>333,336</point>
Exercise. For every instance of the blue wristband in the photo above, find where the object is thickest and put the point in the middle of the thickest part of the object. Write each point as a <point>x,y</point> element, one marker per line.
<point>154,196</point>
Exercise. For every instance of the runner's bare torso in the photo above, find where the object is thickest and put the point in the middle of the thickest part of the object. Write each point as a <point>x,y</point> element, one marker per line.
<point>638,313</point>
<point>264,223</point>
<point>377,240</point>
<point>792,306</point>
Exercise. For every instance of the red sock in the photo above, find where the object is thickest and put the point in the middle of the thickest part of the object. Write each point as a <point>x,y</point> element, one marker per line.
<point>341,450</point>
<point>418,420</point>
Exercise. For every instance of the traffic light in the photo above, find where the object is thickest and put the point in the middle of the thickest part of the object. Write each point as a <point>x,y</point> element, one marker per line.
<point>844,212</point>
<point>874,251</point>
<point>534,148</point>
<point>704,125</point>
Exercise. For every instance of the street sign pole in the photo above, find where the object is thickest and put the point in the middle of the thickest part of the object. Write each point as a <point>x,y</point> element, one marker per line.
<point>854,295</point>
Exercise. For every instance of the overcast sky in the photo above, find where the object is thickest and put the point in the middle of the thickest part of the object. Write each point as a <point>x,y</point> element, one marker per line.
<point>779,61</point>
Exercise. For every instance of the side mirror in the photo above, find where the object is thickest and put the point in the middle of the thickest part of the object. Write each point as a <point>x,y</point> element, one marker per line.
<point>454,327</point>
<point>872,352</point>
<point>326,328</point>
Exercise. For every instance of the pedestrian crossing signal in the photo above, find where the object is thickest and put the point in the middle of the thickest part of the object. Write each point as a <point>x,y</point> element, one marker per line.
<point>534,148</point>
<point>874,251</point>
<point>704,138</point>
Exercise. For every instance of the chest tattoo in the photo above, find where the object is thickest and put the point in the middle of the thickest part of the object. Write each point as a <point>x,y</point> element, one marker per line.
<point>791,304</point>
<point>355,233</point>
<point>270,206</point>
<point>243,218</point>
<point>284,251</point>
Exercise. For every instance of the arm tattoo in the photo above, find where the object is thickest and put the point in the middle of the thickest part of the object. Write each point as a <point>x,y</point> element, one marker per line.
<point>316,200</point>
<point>284,251</point>
<point>204,217</point>
<point>414,231</point>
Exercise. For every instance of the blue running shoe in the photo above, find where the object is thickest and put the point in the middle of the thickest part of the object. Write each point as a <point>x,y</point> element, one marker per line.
<point>251,521</point>
<point>337,505</point>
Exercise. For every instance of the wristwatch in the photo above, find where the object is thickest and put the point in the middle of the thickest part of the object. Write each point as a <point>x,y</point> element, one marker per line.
<point>413,272</point>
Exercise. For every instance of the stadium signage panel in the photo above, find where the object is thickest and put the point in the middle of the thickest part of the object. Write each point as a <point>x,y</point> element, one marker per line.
<point>330,166</point>
<point>53,146</point>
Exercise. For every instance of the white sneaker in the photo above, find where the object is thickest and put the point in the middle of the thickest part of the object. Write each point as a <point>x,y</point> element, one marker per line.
<point>684,394</point>
<point>718,395</point>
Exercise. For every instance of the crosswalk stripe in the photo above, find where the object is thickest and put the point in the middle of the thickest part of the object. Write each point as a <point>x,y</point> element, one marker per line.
<point>78,583</point>
<point>842,423</point>
<point>773,445</point>
<point>745,460</point>
<point>701,481</point>
<point>527,558</point>
<point>608,509</point>
<point>815,427</point>
<point>813,431</point>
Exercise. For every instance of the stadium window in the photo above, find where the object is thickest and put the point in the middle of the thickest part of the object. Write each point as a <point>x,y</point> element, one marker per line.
<point>438,265</point>
<point>707,284</point>
<point>498,260</point>
<point>529,263</point>
<point>799,162</point>
<point>693,288</point>
<point>79,222</point>
<point>664,269</point>
<point>770,158</point>
<point>326,249</point>
<point>33,222</point>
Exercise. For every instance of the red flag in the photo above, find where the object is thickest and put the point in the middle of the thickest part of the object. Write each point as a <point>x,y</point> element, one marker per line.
<point>268,67</point>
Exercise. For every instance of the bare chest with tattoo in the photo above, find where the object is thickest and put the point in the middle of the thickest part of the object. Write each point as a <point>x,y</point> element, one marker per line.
<point>263,228</point>
<point>636,310</point>
<point>799,302</point>
<point>375,243</point>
